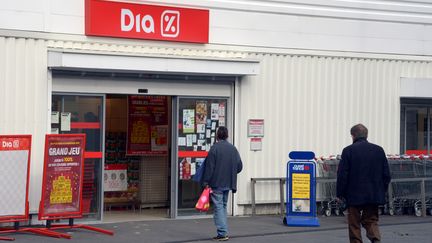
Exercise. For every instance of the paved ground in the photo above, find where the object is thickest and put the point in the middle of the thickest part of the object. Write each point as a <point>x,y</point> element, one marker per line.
<point>395,229</point>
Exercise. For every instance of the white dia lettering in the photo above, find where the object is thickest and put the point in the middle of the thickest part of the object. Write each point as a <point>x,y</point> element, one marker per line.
<point>128,21</point>
<point>6,144</point>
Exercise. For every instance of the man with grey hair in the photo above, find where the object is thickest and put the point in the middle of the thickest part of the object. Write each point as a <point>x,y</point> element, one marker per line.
<point>362,181</point>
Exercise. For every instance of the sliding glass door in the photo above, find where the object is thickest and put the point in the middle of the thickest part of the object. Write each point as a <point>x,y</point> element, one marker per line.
<point>197,121</point>
<point>84,114</point>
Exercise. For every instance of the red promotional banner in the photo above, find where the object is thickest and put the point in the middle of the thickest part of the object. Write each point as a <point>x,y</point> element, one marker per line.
<point>143,21</point>
<point>147,125</point>
<point>62,176</point>
<point>15,153</point>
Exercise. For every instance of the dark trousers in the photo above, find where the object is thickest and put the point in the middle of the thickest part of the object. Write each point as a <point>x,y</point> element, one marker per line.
<point>366,216</point>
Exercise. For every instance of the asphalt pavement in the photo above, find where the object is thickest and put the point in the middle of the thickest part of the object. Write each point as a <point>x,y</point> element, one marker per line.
<point>395,229</point>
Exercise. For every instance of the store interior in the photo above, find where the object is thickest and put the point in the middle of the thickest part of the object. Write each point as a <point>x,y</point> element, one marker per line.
<point>137,173</point>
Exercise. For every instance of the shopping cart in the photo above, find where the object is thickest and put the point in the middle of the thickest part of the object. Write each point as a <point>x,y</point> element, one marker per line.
<point>326,189</point>
<point>408,173</point>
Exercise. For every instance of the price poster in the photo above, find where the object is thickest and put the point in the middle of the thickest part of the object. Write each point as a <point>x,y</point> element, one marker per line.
<point>301,192</point>
<point>147,125</point>
<point>62,176</point>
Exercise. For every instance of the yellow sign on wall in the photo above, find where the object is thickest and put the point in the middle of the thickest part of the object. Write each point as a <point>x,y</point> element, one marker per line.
<point>301,185</point>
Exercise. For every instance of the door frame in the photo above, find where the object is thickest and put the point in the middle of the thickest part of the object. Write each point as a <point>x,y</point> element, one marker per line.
<point>174,145</point>
<point>100,216</point>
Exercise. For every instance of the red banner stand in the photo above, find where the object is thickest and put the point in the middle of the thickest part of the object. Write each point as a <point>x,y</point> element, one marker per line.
<point>38,231</point>
<point>71,225</point>
<point>6,238</point>
<point>59,151</point>
<point>11,144</point>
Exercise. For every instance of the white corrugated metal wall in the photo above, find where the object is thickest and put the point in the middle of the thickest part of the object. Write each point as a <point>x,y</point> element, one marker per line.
<point>309,102</point>
<point>24,99</point>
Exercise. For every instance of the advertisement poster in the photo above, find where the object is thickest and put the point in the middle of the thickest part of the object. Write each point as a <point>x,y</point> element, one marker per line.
<point>222,114</point>
<point>301,192</point>
<point>14,173</point>
<point>62,176</point>
<point>201,112</point>
<point>188,121</point>
<point>115,178</point>
<point>185,169</point>
<point>147,119</point>
<point>215,111</point>
<point>159,138</point>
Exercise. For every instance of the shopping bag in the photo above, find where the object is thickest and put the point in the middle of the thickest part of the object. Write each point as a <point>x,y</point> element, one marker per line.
<point>203,203</point>
<point>199,172</point>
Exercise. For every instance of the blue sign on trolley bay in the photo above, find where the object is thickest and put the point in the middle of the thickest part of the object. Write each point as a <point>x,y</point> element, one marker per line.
<point>301,190</point>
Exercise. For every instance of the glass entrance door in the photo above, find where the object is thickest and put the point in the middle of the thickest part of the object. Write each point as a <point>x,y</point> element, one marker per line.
<point>84,114</point>
<point>198,119</point>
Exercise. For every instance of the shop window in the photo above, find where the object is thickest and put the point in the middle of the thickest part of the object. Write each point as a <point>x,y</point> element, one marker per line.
<point>416,126</point>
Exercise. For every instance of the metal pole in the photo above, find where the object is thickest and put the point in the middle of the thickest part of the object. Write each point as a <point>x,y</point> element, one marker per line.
<point>390,196</point>
<point>253,196</point>
<point>281,191</point>
<point>423,197</point>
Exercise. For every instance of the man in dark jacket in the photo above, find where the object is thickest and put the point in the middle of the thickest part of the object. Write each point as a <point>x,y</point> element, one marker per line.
<point>362,180</point>
<point>222,165</point>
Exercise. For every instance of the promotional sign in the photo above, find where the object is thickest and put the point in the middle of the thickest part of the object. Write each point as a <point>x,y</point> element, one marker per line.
<point>62,176</point>
<point>147,125</point>
<point>15,153</point>
<point>256,128</point>
<point>144,21</point>
<point>301,206</point>
<point>115,178</point>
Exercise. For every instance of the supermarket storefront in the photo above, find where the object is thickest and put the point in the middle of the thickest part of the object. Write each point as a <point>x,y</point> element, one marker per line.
<point>155,126</point>
<point>194,74</point>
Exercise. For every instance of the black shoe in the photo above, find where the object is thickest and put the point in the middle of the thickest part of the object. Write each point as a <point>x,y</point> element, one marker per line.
<point>221,238</point>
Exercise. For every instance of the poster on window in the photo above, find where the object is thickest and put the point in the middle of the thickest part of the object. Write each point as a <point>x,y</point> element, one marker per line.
<point>115,178</point>
<point>147,119</point>
<point>201,112</point>
<point>159,138</point>
<point>62,176</point>
<point>188,121</point>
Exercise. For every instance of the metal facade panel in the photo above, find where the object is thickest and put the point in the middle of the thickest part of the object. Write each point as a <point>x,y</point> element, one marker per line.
<point>308,102</point>
<point>24,100</point>
<point>311,102</point>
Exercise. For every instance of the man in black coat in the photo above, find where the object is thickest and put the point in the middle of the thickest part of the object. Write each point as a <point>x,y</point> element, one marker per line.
<point>222,165</point>
<point>362,180</point>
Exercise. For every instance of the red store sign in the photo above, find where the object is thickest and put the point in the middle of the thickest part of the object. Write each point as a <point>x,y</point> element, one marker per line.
<point>143,21</point>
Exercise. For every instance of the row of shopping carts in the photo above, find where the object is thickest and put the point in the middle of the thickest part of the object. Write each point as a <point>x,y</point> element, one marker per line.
<point>411,179</point>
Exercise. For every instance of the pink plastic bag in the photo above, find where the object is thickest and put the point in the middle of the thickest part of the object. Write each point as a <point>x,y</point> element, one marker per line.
<point>203,203</point>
